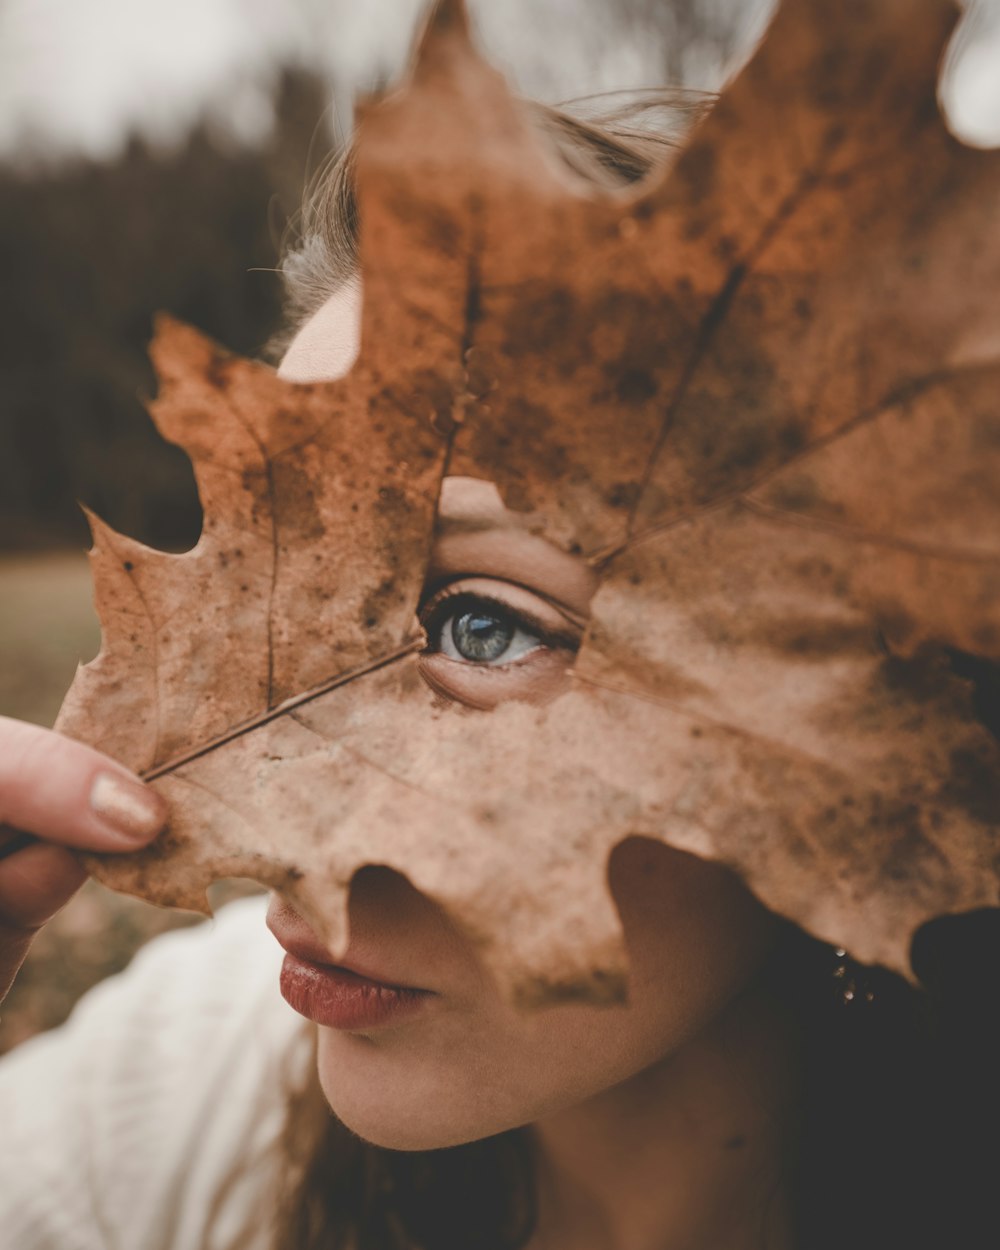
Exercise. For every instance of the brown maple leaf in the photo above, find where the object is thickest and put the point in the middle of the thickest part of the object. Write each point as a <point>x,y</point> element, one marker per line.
<point>759,395</point>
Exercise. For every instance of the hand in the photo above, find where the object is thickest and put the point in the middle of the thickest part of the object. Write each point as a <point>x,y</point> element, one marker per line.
<point>56,794</point>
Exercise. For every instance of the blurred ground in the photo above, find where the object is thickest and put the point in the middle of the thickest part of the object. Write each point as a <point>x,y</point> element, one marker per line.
<point>47,626</point>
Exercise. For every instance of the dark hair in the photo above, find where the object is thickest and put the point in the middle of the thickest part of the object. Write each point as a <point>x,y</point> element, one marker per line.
<point>898,1143</point>
<point>899,1136</point>
<point>347,1194</point>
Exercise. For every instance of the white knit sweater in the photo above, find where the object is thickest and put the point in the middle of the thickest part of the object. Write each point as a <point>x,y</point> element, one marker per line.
<point>150,1120</point>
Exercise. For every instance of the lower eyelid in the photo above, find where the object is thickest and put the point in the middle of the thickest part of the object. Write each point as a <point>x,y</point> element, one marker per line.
<point>535,677</point>
<point>470,671</point>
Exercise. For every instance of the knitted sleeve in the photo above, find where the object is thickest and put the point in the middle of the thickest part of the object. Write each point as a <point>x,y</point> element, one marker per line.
<point>150,1120</point>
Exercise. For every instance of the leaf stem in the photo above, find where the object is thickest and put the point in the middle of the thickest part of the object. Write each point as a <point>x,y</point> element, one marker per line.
<point>272,714</point>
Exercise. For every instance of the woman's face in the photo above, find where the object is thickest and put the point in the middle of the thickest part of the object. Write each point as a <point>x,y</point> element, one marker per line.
<point>504,612</point>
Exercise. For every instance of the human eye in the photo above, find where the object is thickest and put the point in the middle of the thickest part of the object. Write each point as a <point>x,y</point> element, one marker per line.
<point>480,630</point>
<point>490,640</point>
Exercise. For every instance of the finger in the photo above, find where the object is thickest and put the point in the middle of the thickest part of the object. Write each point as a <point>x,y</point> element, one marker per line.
<point>14,945</point>
<point>12,840</point>
<point>34,884</point>
<point>65,792</point>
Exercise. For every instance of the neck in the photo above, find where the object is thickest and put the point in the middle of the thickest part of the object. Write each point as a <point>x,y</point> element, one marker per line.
<point>689,1154</point>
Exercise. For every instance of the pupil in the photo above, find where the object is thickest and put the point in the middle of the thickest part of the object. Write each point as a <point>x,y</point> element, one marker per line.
<point>481,635</point>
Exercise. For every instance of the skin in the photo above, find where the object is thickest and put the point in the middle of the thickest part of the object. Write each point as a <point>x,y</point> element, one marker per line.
<point>662,1123</point>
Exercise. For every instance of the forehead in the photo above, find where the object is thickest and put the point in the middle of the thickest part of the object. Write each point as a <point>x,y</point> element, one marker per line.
<point>328,343</point>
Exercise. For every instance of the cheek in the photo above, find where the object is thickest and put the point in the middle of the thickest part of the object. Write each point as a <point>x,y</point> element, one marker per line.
<point>696,936</point>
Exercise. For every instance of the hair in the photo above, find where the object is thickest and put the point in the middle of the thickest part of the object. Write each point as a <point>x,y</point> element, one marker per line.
<point>612,141</point>
<point>900,1113</point>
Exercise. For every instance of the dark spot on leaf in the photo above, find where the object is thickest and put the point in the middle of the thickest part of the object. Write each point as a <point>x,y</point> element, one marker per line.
<point>791,437</point>
<point>725,247</point>
<point>921,678</point>
<point>623,494</point>
<point>895,627</point>
<point>429,224</point>
<point>381,601</point>
<point>697,168</point>
<point>218,371</point>
<point>985,678</point>
<point>911,856</point>
<point>694,228</point>
<point>817,639</point>
<point>296,509</point>
<point>635,386</point>
<point>527,427</point>
<point>974,785</point>
<point>795,493</point>
<point>542,320</point>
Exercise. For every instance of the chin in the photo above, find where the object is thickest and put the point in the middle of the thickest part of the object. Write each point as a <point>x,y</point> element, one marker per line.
<point>384,1121</point>
<point>411,1109</point>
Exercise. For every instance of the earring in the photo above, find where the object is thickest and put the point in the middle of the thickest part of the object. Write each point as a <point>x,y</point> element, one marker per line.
<point>850,980</point>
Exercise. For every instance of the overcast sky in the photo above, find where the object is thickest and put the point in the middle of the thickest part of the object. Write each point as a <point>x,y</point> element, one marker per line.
<point>78,76</point>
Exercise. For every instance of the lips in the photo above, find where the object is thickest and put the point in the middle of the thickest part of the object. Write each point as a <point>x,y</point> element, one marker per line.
<point>337,995</point>
<point>340,999</point>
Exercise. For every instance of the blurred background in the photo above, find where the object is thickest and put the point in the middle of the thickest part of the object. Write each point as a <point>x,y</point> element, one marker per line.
<point>152,157</point>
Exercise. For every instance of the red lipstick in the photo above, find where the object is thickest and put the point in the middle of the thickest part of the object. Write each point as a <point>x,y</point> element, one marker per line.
<point>340,998</point>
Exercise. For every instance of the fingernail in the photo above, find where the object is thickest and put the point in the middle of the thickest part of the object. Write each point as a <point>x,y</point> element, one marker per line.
<point>133,811</point>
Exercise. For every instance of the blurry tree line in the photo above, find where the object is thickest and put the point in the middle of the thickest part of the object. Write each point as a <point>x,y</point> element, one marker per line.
<point>88,254</point>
